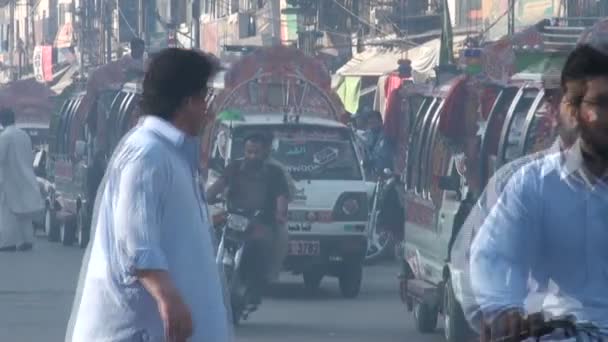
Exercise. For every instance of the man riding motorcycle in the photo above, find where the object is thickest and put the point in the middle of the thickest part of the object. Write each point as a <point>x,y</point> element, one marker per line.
<point>550,221</point>
<point>256,183</point>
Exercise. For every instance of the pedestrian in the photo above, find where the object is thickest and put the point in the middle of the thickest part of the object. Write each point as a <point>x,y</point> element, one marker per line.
<point>151,274</point>
<point>20,197</point>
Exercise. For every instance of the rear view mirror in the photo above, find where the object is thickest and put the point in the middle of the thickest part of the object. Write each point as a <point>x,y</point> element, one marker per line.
<point>448,183</point>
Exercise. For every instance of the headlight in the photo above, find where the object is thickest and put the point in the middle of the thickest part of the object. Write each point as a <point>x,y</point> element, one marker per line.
<point>238,222</point>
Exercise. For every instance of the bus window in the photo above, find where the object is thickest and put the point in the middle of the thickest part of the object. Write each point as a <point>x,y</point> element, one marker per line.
<point>112,122</point>
<point>56,123</point>
<point>126,114</point>
<point>414,139</point>
<point>541,133</point>
<point>422,146</point>
<point>427,156</point>
<point>515,130</point>
<point>490,140</point>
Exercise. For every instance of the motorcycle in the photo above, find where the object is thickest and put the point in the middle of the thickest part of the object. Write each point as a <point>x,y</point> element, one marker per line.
<point>236,228</point>
<point>537,326</point>
<point>386,218</point>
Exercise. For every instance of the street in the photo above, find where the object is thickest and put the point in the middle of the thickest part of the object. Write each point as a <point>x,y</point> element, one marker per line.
<point>37,288</point>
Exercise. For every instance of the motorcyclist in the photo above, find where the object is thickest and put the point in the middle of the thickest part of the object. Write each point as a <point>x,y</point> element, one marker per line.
<point>255,183</point>
<point>550,220</point>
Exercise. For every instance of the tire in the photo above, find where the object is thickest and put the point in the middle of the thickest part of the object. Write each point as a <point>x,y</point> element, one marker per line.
<point>236,300</point>
<point>350,280</point>
<point>51,225</point>
<point>456,326</point>
<point>312,280</point>
<point>425,317</point>
<point>236,312</point>
<point>67,232</point>
<point>83,228</point>
<point>379,247</point>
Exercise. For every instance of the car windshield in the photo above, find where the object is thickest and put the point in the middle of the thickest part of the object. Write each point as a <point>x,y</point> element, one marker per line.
<point>308,152</point>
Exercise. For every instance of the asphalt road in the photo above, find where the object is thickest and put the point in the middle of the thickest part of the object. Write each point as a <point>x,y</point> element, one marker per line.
<point>37,288</point>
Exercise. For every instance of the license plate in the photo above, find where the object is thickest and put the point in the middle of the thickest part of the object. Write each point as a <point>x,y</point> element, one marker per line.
<point>304,248</point>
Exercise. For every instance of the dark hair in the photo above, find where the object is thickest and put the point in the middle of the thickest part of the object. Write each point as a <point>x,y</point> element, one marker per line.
<point>137,43</point>
<point>7,117</point>
<point>584,62</point>
<point>259,138</point>
<point>374,114</point>
<point>174,75</point>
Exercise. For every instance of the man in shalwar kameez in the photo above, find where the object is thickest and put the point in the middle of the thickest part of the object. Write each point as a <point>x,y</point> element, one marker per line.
<point>20,198</point>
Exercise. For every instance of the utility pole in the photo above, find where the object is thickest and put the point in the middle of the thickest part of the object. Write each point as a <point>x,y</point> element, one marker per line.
<point>196,23</point>
<point>32,11</point>
<point>275,21</point>
<point>141,23</point>
<point>26,26</point>
<point>11,38</point>
<point>511,18</point>
<point>109,15</point>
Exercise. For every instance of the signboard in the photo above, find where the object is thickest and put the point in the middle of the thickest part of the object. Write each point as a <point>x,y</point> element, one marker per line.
<point>65,36</point>
<point>43,63</point>
<point>527,12</point>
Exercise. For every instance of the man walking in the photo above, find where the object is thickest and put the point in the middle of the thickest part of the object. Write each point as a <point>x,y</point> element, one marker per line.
<point>20,197</point>
<point>152,275</point>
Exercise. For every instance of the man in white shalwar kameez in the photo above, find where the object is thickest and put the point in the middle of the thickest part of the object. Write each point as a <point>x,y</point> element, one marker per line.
<point>20,198</point>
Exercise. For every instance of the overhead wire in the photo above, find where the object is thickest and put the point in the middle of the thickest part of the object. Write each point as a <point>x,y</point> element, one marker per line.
<point>372,26</point>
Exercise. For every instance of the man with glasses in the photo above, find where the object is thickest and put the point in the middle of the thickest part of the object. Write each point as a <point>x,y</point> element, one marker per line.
<point>550,221</point>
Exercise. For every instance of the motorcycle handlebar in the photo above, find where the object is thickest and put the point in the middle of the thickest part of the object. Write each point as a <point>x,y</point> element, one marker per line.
<point>538,327</point>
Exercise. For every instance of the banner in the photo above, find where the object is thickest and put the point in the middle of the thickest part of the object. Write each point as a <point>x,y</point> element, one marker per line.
<point>47,63</point>
<point>43,63</point>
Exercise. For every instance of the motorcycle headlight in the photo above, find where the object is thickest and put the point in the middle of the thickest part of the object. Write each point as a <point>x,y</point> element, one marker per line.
<point>237,222</point>
<point>350,207</point>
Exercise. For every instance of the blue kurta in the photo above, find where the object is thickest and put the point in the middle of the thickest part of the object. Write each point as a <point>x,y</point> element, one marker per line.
<point>150,215</point>
<point>550,221</point>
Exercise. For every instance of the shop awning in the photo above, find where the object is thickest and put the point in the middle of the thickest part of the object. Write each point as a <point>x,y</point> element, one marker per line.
<point>63,79</point>
<point>377,62</point>
<point>253,41</point>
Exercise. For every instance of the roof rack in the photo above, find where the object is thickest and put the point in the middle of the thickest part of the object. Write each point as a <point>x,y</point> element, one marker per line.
<point>562,34</point>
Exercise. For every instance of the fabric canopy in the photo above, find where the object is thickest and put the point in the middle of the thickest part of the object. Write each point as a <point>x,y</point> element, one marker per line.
<point>349,92</point>
<point>377,61</point>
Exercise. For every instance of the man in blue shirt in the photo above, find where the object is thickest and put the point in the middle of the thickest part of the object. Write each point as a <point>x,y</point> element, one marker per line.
<point>572,88</point>
<point>379,148</point>
<point>550,221</point>
<point>151,275</point>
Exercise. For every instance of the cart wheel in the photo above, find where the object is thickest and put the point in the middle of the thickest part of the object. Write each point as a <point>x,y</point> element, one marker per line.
<point>67,231</point>
<point>83,228</point>
<point>425,317</point>
<point>51,226</point>
<point>312,280</point>
<point>350,280</point>
<point>456,326</point>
